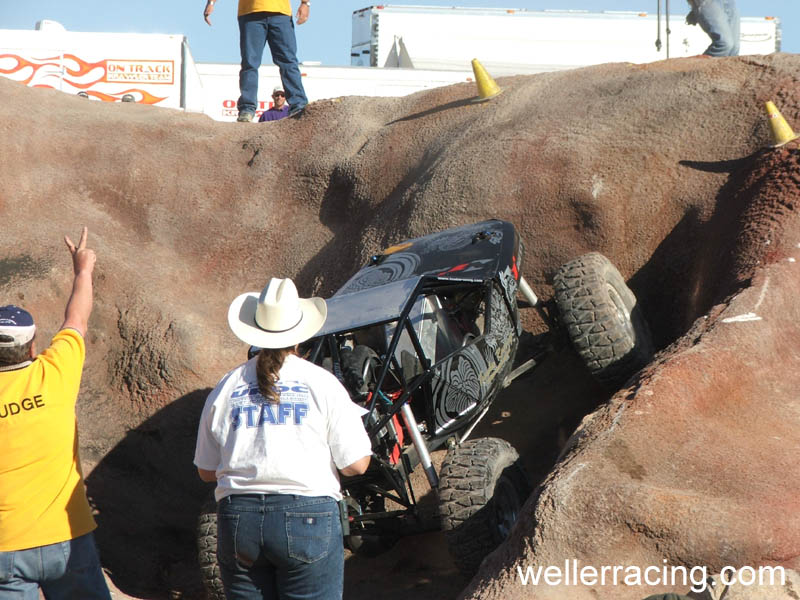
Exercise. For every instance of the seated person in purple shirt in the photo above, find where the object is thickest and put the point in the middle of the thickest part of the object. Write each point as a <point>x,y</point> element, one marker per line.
<point>279,108</point>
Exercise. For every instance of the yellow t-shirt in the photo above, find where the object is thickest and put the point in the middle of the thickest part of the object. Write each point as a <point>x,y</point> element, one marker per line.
<point>250,6</point>
<point>42,495</point>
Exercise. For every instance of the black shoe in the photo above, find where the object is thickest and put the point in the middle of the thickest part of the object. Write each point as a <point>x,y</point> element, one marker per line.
<point>296,113</point>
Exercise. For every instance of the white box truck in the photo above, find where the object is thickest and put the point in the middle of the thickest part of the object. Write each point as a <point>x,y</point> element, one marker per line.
<point>511,41</point>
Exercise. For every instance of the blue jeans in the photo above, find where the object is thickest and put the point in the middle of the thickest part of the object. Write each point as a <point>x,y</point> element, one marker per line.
<point>64,571</point>
<point>280,547</point>
<point>720,20</point>
<point>255,31</point>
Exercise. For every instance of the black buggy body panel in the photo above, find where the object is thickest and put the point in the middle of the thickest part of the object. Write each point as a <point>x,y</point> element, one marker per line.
<point>472,253</point>
<point>469,253</point>
<point>462,374</point>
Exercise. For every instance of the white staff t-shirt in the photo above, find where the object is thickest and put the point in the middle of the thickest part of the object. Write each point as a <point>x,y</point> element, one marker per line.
<point>293,447</point>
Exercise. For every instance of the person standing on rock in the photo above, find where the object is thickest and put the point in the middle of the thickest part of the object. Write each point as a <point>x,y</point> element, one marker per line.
<point>46,524</point>
<point>274,434</point>
<point>263,22</point>
<point>720,20</point>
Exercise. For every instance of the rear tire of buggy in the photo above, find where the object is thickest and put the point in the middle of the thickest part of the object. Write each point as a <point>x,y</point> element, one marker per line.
<point>207,550</point>
<point>482,488</point>
<point>603,320</point>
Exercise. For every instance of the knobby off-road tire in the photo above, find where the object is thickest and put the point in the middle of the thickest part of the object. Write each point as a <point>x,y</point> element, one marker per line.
<point>602,318</point>
<point>207,550</point>
<point>481,490</point>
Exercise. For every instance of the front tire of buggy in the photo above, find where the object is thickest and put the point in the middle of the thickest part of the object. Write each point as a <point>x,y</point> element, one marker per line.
<point>482,488</point>
<point>207,550</point>
<point>603,320</point>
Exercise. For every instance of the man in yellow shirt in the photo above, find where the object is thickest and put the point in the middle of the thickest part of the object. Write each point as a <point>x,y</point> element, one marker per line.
<point>270,22</point>
<point>46,525</point>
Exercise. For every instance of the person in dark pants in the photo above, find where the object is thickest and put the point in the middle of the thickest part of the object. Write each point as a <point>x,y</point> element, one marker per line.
<point>46,523</point>
<point>274,435</point>
<point>720,20</point>
<point>263,22</point>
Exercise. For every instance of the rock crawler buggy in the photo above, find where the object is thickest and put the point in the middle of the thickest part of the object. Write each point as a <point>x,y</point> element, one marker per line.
<point>424,337</point>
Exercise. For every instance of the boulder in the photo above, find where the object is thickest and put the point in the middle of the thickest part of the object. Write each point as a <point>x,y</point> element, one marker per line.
<point>661,167</point>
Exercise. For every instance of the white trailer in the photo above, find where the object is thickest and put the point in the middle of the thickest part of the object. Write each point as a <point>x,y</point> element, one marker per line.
<point>159,70</point>
<point>511,41</point>
<point>221,84</point>
<point>153,68</point>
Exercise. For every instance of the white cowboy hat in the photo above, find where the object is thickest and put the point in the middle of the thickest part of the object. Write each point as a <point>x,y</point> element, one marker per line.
<point>276,318</point>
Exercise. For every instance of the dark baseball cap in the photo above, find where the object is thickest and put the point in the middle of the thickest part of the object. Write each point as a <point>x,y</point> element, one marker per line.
<point>16,326</point>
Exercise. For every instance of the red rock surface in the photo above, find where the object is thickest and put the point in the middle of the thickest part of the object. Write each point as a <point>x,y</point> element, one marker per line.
<point>661,167</point>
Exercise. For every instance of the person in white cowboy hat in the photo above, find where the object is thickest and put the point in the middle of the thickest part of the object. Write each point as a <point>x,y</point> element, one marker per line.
<point>274,434</point>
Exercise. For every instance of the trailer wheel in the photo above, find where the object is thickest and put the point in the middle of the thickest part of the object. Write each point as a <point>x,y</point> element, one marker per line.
<point>602,318</point>
<point>207,550</point>
<point>481,491</point>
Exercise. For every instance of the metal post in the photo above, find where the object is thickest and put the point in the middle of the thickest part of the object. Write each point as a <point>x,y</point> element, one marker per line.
<point>184,54</point>
<point>658,26</point>
<point>668,30</point>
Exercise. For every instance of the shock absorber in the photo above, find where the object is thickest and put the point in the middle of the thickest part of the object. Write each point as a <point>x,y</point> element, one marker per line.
<point>527,292</point>
<point>419,445</point>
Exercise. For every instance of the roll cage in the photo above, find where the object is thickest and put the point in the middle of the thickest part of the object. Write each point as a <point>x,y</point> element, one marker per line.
<point>425,322</point>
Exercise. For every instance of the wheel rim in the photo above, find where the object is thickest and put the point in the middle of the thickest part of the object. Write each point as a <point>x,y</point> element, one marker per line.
<point>623,314</point>
<point>506,506</point>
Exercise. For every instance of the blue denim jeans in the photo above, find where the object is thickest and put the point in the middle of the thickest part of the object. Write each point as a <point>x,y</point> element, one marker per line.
<point>64,571</point>
<point>280,547</point>
<point>720,20</point>
<point>255,31</point>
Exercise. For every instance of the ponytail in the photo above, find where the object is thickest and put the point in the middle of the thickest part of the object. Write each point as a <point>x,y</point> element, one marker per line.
<point>268,366</point>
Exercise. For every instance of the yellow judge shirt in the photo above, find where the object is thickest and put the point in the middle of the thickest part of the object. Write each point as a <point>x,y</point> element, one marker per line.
<point>250,6</point>
<point>42,496</point>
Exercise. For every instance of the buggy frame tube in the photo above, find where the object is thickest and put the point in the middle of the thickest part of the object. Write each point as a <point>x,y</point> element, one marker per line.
<point>426,363</point>
<point>387,494</point>
<point>392,347</point>
<point>317,349</point>
<point>398,404</point>
<point>401,321</point>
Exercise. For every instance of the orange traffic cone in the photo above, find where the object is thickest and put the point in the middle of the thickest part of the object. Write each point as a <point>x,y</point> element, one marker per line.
<point>487,88</point>
<point>781,132</point>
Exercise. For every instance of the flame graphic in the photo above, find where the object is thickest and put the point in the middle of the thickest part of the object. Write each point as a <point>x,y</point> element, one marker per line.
<point>83,66</point>
<point>24,64</point>
<point>74,68</point>
<point>146,98</point>
<point>80,70</point>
